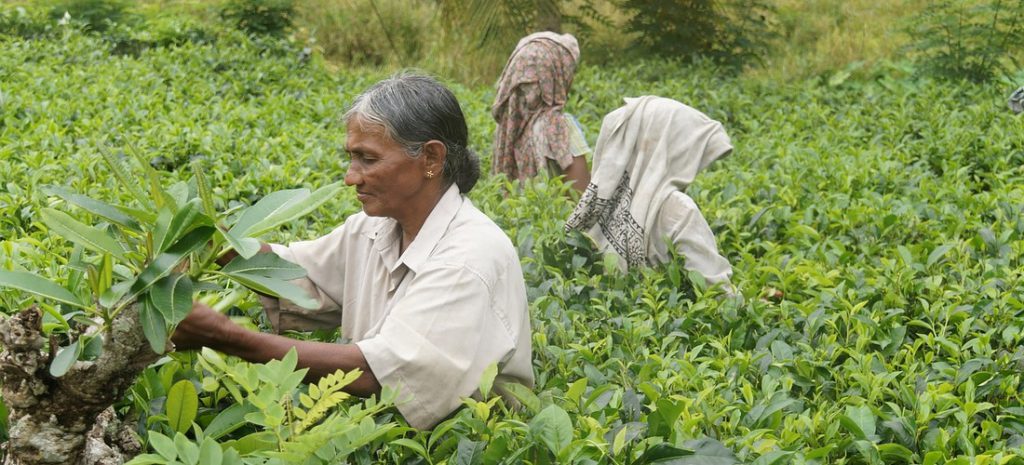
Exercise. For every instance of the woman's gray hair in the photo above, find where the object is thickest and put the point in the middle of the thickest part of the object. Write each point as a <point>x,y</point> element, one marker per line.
<point>414,109</point>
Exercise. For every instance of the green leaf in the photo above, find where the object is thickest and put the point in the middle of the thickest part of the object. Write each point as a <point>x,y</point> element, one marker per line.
<point>937,254</point>
<point>275,288</point>
<point>706,451</point>
<point>411,444</point>
<point>469,452</point>
<point>264,208</point>
<point>203,186</point>
<point>182,405</point>
<point>183,221</point>
<point>79,233</point>
<point>153,326</point>
<point>246,247</point>
<point>228,420</point>
<point>188,452</point>
<point>165,263</point>
<point>862,419</point>
<point>265,264</point>
<point>163,445</point>
<point>283,209</point>
<point>663,452</point>
<point>487,379</point>
<point>210,452</point>
<point>66,357</point>
<point>172,296</point>
<point>128,182</point>
<point>96,207</point>
<point>553,427</point>
<point>34,284</point>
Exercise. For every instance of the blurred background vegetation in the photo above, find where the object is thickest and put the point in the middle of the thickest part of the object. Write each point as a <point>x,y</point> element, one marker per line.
<point>469,40</point>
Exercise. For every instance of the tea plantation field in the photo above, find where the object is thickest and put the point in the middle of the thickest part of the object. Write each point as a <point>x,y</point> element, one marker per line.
<point>875,227</point>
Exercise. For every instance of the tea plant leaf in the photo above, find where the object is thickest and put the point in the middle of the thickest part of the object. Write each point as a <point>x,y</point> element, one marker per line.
<point>210,452</point>
<point>153,326</point>
<point>172,296</point>
<point>79,233</point>
<point>93,206</point>
<point>42,287</point>
<point>275,288</point>
<point>182,405</point>
<point>66,357</point>
<point>128,182</point>
<point>203,186</point>
<point>553,427</point>
<point>264,208</point>
<point>284,209</point>
<point>164,264</point>
<point>184,220</point>
<point>265,264</point>
<point>246,247</point>
<point>163,445</point>
<point>487,379</point>
<point>228,420</point>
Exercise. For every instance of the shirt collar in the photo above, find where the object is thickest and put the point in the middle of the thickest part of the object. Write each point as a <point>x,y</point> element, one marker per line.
<point>387,236</point>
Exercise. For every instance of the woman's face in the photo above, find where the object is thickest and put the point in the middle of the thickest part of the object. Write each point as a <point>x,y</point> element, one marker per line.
<point>387,180</point>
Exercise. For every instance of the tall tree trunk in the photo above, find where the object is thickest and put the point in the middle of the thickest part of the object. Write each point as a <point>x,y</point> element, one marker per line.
<point>51,418</point>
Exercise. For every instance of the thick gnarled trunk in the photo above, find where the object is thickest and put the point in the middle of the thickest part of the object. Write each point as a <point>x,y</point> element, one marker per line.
<point>58,420</point>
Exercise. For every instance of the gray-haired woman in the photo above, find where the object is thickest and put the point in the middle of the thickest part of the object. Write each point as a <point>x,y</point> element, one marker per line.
<point>426,287</point>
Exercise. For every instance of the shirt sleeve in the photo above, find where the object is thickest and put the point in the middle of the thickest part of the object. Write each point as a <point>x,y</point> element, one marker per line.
<point>324,259</point>
<point>436,342</point>
<point>694,240</point>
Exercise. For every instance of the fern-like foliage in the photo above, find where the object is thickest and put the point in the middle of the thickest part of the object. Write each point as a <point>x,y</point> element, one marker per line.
<point>322,397</point>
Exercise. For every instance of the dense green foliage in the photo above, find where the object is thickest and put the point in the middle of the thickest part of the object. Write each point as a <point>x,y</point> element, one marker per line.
<point>976,41</point>
<point>875,229</point>
<point>730,32</point>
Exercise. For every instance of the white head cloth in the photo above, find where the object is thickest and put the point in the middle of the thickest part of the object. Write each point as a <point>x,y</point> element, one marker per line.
<point>647,149</point>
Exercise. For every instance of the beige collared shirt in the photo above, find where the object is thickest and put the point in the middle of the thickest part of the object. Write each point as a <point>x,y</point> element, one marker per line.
<point>428,321</point>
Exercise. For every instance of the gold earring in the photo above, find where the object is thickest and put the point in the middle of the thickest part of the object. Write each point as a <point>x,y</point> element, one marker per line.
<point>430,174</point>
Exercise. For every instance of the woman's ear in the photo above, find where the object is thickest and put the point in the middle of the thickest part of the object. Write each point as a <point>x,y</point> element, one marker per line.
<point>434,154</point>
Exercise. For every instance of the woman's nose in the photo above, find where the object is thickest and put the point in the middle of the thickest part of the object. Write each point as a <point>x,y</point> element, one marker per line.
<point>352,177</point>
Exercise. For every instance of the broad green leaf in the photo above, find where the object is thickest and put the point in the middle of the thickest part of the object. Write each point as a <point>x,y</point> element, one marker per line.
<point>66,357</point>
<point>203,186</point>
<point>294,208</point>
<point>937,254</point>
<point>188,452</point>
<point>128,182</point>
<point>147,459</point>
<point>182,405</point>
<point>80,233</point>
<point>553,427</point>
<point>165,263</point>
<point>210,452</point>
<point>163,445</point>
<point>663,452</point>
<point>706,451</point>
<point>183,221</point>
<point>275,288</point>
<point>94,206</point>
<point>411,444</point>
<point>265,264</point>
<point>172,296</point>
<point>487,379</point>
<point>42,287</point>
<point>153,326</point>
<point>469,452</point>
<point>862,418</point>
<point>246,247</point>
<point>264,208</point>
<point>228,420</point>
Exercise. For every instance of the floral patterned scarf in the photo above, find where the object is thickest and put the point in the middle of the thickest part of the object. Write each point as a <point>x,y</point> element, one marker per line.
<point>532,92</point>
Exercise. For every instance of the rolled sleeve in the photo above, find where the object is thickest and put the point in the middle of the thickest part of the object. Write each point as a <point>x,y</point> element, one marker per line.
<point>322,259</point>
<point>437,342</point>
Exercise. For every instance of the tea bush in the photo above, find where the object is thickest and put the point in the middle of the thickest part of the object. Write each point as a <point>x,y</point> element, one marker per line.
<point>875,227</point>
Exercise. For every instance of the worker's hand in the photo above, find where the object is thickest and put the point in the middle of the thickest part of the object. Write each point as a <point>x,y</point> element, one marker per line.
<point>203,327</point>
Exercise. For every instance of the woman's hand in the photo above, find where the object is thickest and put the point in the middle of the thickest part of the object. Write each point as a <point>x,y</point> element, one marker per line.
<point>203,327</point>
